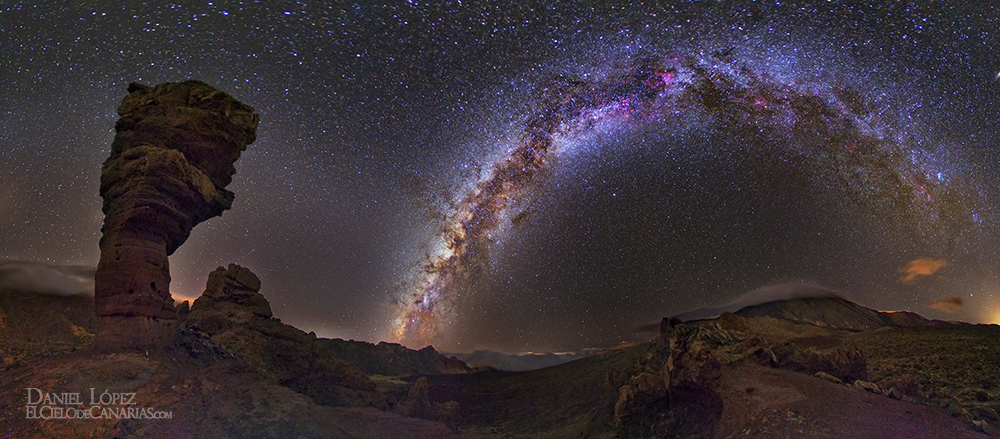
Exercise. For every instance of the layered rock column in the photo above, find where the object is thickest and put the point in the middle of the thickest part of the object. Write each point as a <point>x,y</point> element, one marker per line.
<point>171,159</point>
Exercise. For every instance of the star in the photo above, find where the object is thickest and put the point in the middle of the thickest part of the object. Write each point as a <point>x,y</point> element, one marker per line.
<point>510,177</point>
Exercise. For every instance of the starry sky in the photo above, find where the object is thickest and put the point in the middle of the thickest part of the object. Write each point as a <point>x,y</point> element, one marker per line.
<point>534,176</point>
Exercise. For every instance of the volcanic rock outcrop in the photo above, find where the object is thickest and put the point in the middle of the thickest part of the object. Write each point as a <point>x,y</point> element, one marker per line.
<point>673,392</point>
<point>171,159</point>
<point>238,321</point>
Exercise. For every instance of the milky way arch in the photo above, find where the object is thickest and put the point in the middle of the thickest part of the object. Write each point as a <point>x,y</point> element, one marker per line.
<point>829,130</point>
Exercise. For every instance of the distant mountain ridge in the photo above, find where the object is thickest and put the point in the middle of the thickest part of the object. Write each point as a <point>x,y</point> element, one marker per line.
<point>394,359</point>
<point>517,362</point>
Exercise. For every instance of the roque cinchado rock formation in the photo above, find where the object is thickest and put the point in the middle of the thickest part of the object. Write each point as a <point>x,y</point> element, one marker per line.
<point>171,159</point>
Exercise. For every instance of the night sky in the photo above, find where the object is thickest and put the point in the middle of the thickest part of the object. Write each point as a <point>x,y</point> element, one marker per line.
<point>537,177</point>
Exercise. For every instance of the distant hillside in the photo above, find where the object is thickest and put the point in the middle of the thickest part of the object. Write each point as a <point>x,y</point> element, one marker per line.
<point>36,325</point>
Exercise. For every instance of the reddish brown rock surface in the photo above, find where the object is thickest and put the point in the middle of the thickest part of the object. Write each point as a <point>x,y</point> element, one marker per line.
<point>170,162</point>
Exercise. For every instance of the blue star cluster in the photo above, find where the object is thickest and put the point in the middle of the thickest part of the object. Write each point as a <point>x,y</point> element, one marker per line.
<point>537,175</point>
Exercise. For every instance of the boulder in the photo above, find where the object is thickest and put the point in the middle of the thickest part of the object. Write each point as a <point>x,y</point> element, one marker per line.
<point>417,404</point>
<point>733,322</point>
<point>869,387</point>
<point>235,289</point>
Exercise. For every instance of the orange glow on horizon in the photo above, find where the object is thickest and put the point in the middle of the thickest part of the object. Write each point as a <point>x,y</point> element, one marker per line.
<point>178,298</point>
<point>994,318</point>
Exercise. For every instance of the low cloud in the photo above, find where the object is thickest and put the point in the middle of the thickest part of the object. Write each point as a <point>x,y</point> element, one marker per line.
<point>917,269</point>
<point>34,277</point>
<point>946,304</point>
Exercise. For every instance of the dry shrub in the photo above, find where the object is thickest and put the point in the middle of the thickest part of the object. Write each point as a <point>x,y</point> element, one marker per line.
<point>906,384</point>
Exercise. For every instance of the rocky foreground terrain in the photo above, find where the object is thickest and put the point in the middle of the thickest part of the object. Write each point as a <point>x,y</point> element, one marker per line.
<point>231,369</point>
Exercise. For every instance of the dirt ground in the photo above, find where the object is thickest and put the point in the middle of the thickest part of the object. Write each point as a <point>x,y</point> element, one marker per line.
<point>775,403</point>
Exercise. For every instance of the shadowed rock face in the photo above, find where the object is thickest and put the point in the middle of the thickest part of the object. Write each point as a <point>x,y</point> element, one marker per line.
<point>172,157</point>
<point>238,320</point>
